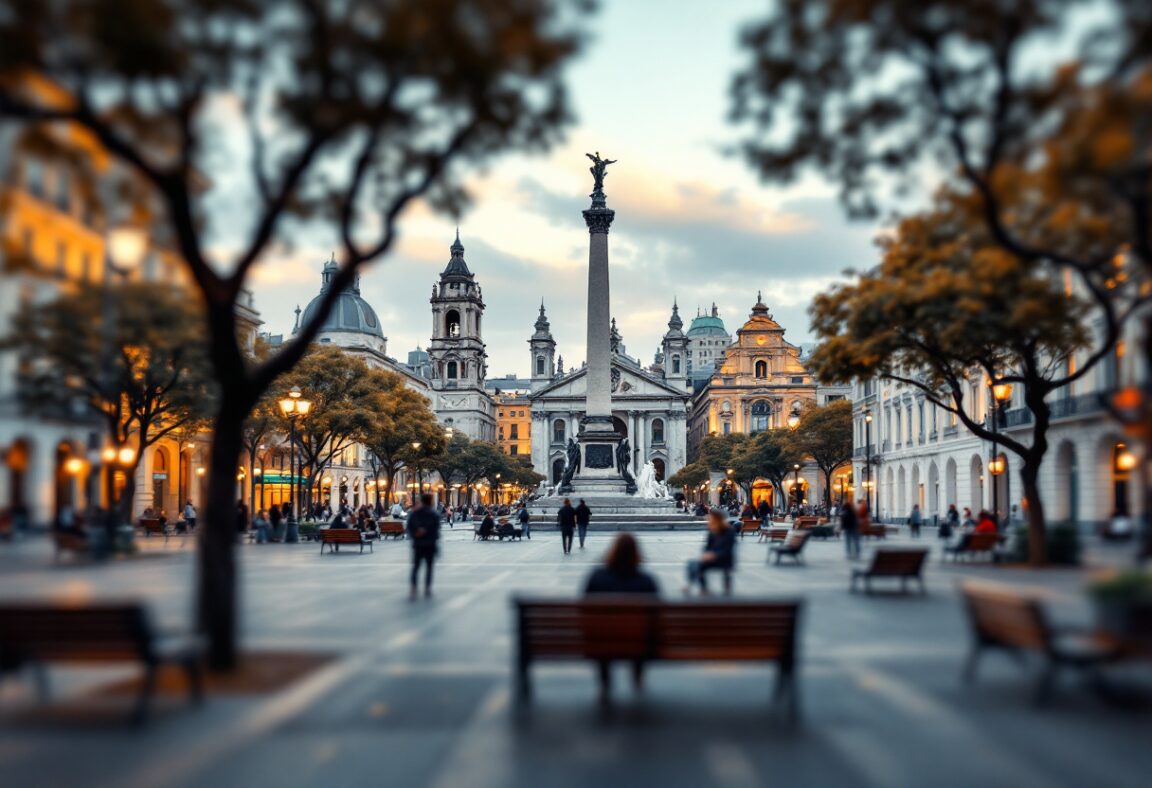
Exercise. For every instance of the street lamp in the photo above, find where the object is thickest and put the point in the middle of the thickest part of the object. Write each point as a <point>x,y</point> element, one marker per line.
<point>796,484</point>
<point>868,459</point>
<point>293,407</point>
<point>1001,393</point>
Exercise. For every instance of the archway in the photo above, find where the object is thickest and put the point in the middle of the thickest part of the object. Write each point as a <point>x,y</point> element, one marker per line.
<point>19,460</point>
<point>976,484</point>
<point>452,323</point>
<point>933,491</point>
<point>1116,489</point>
<point>620,426</point>
<point>557,469</point>
<point>159,478</point>
<point>658,465</point>
<point>1067,499</point>
<point>950,483</point>
<point>763,490</point>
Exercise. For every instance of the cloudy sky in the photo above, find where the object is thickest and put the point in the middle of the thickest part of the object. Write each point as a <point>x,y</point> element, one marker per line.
<point>691,223</point>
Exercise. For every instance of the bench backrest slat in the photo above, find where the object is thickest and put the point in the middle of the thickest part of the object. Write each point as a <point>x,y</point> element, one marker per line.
<point>897,561</point>
<point>95,632</point>
<point>341,535</point>
<point>1006,617</point>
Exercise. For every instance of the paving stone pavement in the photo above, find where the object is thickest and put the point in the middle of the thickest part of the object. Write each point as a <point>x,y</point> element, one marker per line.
<point>418,693</point>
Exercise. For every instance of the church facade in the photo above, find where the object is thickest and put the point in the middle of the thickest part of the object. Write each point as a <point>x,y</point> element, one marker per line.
<point>649,407</point>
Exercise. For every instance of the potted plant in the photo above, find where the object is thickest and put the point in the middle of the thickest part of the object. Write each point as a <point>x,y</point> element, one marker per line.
<point>1123,603</point>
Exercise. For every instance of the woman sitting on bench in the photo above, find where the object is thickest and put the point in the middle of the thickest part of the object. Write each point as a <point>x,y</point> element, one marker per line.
<point>621,574</point>
<point>719,553</point>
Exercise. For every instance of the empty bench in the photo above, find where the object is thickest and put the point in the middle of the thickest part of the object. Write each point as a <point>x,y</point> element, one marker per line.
<point>749,525</point>
<point>35,635</point>
<point>392,529</point>
<point>608,629</point>
<point>334,537</point>
<point>891,562</point>
<point>793,547</point>
<point>1011,622</point>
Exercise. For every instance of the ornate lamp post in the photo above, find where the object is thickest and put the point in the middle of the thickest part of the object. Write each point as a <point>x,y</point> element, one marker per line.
<point>1001,393</point>
<point>419,472</point>
<point>293,407</point>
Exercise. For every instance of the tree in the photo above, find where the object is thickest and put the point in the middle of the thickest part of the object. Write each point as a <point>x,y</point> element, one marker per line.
<point>399,417</point>
<point>353,112</point>
<point>770,454</point>
<point>449,461</point>
<point>1041,123</point>
<point>945,314</point>
<point>339,387</point>
<point>145,375</point>
<point>482,461</point>
<point>691,476</point>
<point>825,435</point>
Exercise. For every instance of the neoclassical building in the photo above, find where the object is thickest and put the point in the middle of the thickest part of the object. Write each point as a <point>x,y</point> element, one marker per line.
<point>650,407</point>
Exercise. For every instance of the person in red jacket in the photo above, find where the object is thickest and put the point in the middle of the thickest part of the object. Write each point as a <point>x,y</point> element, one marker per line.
<point>985,524</point>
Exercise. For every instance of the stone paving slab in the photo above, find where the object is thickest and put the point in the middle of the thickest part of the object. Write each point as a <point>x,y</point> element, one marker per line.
<point>420,694</point>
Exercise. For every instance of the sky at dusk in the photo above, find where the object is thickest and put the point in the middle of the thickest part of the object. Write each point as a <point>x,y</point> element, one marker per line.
<point>692,223</point>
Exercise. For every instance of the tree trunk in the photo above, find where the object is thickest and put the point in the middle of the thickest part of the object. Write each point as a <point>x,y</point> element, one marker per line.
<point>216,598</point>
<point>828,489</point>
<point>1037,529</point>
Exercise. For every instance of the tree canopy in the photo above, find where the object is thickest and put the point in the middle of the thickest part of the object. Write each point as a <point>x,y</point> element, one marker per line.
<point>397,417</point>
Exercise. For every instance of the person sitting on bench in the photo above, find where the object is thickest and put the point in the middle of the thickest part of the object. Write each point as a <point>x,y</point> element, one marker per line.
<point>487,527</point>
<point>621,574</point>
<point>719,553</point>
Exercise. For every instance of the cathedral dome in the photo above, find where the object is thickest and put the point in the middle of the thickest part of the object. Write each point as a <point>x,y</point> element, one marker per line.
<point>707,325</point>
<point>350,314</point>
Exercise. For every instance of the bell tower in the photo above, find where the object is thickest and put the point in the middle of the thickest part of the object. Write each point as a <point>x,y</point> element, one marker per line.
<point>457,351</point>
<point>542,347</point>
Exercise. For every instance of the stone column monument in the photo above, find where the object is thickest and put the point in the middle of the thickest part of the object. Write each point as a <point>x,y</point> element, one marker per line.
<point>594,464</point>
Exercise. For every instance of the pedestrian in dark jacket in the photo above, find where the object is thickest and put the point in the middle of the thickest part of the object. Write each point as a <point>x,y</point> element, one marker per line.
<point>566,517</point>
<point>525,522</point>
<point>583,517</point>
<point>719,554</point>
<point>763,510</point>
<point>424,532</point>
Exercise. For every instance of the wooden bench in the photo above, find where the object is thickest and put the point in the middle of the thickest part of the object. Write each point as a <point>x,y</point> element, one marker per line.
<point>974,545</point>
<point>625,628</point>
<point>1009,621</point>
<point>151,525</point>
<point>874,531</point>
<point>775,533</point>
<point>793,547</point>
<point>749,525</point>
<point>334,537</point>
<point>70,542</point>
<point>392,529</point>
<point>806,521</point>
<point>904,563</point>
<point>37,634</point>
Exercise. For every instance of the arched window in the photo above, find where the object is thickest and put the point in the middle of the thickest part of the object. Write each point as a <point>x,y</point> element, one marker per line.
<point>760,413</point>
<point>452,323</point>
<point>539,365</point>
<point>453,370</point>
<point>658,430</point>
<point>559,430</point>
<point>676,365</point>
<point>761,369</point>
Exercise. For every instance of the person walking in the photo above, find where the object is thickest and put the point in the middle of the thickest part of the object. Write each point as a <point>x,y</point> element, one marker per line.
<point>423,529</point>
<point>951,523</point>
<point>566,517</point>
<point>241,517</point>
<point>583,517</point>
<point>262,526</point>
<point>719,554</point>
<point>525,521</point>
<point>850,527</point>
<point>190,516</point>
<point>915,520</point>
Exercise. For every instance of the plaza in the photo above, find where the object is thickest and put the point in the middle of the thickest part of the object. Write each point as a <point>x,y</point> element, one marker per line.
<point>419,693</point>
